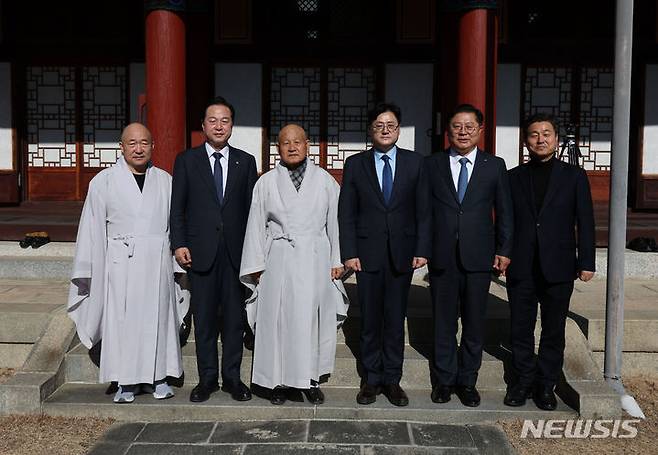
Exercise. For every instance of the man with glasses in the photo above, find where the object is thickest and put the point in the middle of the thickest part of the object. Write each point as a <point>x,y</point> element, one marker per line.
<point>211,195</point>
<point>384,221</point>
<point>472,236</point>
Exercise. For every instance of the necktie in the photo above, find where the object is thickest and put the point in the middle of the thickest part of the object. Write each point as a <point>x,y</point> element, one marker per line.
<point>387,179</point>
<point>462,182</point>
<point>219,177</point>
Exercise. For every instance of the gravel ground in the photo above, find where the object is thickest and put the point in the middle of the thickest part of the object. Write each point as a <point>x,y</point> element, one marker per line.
<point>643,388</point>
<point>44,435</point>
<point>6,373</point>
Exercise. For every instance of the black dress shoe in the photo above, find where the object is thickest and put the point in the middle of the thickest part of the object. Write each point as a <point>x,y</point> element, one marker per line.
<point>544,398</point>
<point>441,393</point>
<point>202,392</point>
<point>27,241</point>
<point>367,394</point>
<point>468,395</point>
<point>239,391</point>
<point>40,241</point>
<point>517,395</point>
<point>314,395</point>
<point>395,394</point>
<point>278,396</point>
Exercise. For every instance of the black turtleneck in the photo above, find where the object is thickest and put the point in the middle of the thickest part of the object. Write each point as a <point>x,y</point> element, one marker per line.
<point>540,173</point>
<point>139,178</point>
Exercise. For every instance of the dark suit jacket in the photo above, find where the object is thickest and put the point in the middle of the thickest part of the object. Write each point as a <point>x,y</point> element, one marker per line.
<point>367,224</point>
<point>472,221</point>
<point>567,208</point>
<point>197,220</point>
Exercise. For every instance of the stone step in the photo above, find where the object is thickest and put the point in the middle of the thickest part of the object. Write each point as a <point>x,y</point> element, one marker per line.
<point>633,363</point>
<point>13,355</point>
<point>23,323</point>
<point>640,332</point>
<point>80,368</point>
<point>90,400</point>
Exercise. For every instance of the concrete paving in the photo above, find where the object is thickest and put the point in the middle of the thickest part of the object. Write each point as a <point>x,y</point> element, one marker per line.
<point>300,437</point>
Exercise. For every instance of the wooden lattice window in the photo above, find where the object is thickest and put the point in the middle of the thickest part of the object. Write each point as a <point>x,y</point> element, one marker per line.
<point>51,116</point>
<point>581,96</point>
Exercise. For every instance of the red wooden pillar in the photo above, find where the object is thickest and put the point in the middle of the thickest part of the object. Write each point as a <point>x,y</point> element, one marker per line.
<point>472,61</point>
<point>165,80</point>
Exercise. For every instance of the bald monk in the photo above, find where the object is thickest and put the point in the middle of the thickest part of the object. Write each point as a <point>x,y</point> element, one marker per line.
<point>122,288</point>
<point>291,262</point>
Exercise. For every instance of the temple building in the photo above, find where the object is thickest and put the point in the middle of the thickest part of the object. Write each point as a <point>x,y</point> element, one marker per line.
<point>72,74</point>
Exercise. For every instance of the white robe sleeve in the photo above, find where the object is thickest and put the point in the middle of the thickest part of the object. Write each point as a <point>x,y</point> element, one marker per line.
<point>86,293</point>
<point>253,249</point>
<point>342,303</point>
<point>332,223</point>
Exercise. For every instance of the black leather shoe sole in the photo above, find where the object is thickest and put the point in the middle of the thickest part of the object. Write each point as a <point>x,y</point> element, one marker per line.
<point>514,401</point>
<point>545,405</point>
<point>278,397</point>
<point>239,395</point>
<point>398,401</point>
<point>468,400</point>
<point>440,397</point>
<point>314,396</point>
<point>200,394</point>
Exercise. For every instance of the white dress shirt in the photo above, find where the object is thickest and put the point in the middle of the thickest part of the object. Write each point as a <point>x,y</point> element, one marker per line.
<point>455,165</point>
<point>223,162</point>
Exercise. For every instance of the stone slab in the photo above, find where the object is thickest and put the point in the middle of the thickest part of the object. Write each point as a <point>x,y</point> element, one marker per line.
<point>633,363</point>
<point>23,327</point>
<point>285,431</point>
<point>441,435</point>
<point>182,449</point>
<point>394,433</point>
<point>80,368</point>
<point>44,268</point>
<point>490,440</point>
<point>303,449</point>
<point>167,432</point>
<point>86,400</point>
<point>14,355</point>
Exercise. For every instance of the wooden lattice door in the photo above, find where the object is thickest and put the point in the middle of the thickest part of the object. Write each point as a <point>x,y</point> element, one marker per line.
<point>74,116</point>
<point>331,103</point>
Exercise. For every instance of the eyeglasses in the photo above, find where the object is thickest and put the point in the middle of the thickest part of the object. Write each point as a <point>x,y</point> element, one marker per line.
<point>469,128</point>
<point>383,126</point>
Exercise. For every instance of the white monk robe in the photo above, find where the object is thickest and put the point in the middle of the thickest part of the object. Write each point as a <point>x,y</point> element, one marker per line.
<point>293,238</point>
<point>122,288</point>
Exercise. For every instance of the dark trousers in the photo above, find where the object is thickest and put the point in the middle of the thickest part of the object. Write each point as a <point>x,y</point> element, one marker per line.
<point>457,292</point>
<point>554,299</point>
<point>218,307</point>
<point>383,297</point>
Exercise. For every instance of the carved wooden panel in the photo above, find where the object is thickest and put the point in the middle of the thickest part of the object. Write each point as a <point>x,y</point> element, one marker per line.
<point>351,94</point>
<point>295,98</point>
<point>581,96</point>
<point>50,116</point>
<point>595,122</point>
<point>333,113</point>
<point>74,117</point>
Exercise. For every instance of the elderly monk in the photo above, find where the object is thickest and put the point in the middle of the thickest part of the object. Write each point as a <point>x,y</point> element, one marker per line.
<point>291,262</point>
<point>122,289</point>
